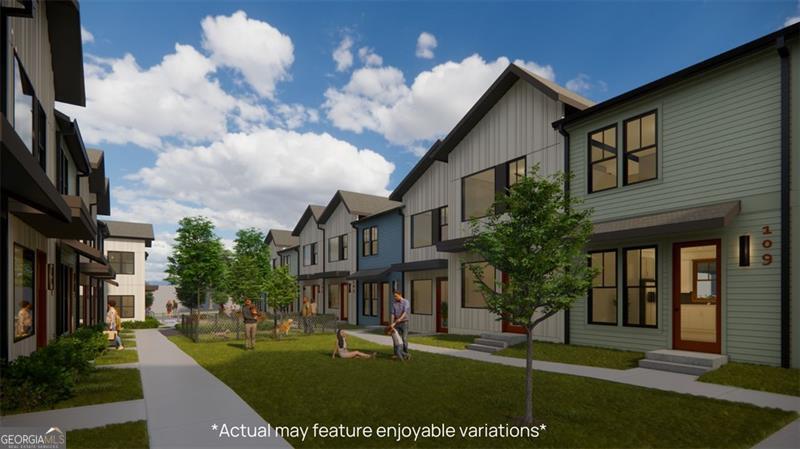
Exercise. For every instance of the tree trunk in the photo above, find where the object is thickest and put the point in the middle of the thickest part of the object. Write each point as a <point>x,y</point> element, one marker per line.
<point>528,419</point>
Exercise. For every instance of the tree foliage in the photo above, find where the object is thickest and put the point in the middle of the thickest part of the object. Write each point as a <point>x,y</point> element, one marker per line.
<point>281,288</point>
<point>249,266</point>
<point>197,264</point>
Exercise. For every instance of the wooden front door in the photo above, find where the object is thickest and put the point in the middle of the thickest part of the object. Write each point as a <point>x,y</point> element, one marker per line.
<point>41,299</point>
<point>506,325</point>
<point>386,300</point>
<point>697,296</point>
<point>344,299</point>
<point>442,306</point>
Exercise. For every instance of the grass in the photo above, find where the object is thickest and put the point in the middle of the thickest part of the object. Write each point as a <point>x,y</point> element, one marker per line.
<point>113,357</point>
<point>576,355</point>
<point>128,342</point>
<point>452,341</point>
<point>101,386</point>
<point>756,377</point>
<point>129,435</point>
<point>295,382</point>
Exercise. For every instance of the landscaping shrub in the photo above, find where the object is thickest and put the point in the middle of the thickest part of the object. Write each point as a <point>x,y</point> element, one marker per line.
<point>148,323</point>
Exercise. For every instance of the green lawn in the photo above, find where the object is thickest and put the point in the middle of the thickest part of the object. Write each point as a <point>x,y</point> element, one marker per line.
<point>128,342</point>
<point>295,382</point>
<point>756,377</point>
<point>576,355</point>
<point>129,435</point>
<point>113,357</point>
<point>452,341</point>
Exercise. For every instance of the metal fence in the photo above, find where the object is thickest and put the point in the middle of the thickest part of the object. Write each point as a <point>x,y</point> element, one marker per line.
<point>212,326</point>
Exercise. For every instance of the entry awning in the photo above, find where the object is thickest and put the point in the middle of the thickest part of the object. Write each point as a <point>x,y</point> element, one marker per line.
<point>422,265</point>
<point>453,245</point>
<point>373,273</point>
<point>81,226</point>
<point>112,282</point>
<point>86,250</point>
<point>683,220</point>
<point>23,178</point>
<point>97,270</point>
<point>324,275</point>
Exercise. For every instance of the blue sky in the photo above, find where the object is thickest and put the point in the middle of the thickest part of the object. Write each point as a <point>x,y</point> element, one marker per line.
<point>249,119</point>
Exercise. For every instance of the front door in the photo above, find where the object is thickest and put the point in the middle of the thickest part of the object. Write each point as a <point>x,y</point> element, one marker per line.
<point>442,307</point>
<point>386,299</point>
<point>697,296</point>
<point>41,299</point>
<point>506,325</point>
<point>344,300</point>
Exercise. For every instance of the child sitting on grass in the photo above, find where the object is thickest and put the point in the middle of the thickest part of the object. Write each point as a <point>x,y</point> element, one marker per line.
<point>399,353</point>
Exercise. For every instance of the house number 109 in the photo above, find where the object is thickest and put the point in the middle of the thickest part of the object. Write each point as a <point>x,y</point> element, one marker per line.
<point>766,258</point>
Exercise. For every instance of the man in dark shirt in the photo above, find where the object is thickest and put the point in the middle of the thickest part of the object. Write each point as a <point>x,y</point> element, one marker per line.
<point>250,322</point>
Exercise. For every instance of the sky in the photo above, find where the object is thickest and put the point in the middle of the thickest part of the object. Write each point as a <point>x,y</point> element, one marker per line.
<point>246,112</point>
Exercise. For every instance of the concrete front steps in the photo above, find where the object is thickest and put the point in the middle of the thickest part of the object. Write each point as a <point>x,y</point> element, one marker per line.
<point>686,362</point>
<point>491,343</point>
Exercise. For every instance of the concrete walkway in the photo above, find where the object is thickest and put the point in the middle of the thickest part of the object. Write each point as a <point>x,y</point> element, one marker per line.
<point>786,438</point>
<point>79,417</point>
<point>183,400</point>
<point>642,377</point>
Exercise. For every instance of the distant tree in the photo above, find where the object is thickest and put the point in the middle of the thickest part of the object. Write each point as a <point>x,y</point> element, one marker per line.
<point>537,238</point>
<point>282,289</point>
<point>148,299</point>
<point>249,267</point>
<point>197,264</point>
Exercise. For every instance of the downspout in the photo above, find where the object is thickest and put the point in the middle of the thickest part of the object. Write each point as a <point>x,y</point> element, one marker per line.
<point>564,133</point>
<point>786,233</point>
<point>356,281</point>
<point>322,251</point>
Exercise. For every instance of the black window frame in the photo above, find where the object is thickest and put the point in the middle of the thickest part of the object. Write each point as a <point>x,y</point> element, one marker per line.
<point>464,218</point>
<point>431,233</point>
<point>312,254</point>
<point>342,246</point>
<point>592,163</point>
<point>119,269</point>
<point>524,161</point>
<point>413,300</point>
<point>284,260</point>
<point>464,284</point>
<point>443,223</point>
<point>121,306</point>
<point>369,241</point>
<point>34,292</point>
<point>625,286</point>
<point>589,295</point>
<point>370,298</point>
<point>63,167</point>
<point>625,151</point>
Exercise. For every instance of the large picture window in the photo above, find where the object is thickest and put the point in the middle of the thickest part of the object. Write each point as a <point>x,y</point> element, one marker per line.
<point>310,254</point>
<point>641,149</point>
<point>422,229</point>
<point>24,292</point>
<point>334,300</point>
<point>477,194</point>
<point>603,293</point>
<point>369,241</point>
<point>125,305</point>
<point>422,297</point>
<point>337,248</point>
<point>640,294</point>
<point>122,262</point>
<point>470,290</point>
<point>603,159</point>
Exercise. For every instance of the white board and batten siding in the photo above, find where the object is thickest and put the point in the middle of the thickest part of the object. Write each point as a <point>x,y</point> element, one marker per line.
<point>520,124</point>
<point>129,284</point>
<point>310,234</point>
<point>340,223</point>
<point>428,193</point>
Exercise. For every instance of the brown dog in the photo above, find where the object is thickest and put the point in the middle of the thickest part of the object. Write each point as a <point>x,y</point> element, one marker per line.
<point>285,326</point>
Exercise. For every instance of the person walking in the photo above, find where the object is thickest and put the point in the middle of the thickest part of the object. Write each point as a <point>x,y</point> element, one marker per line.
<point>306,313</point>
<point>250,315</point>
<point>113,321</point>
<point>401,309</point>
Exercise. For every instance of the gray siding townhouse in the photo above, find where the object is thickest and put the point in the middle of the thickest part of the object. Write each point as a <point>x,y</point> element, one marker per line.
<point>339,259</point>
<point>310,240</point>
<point>689,180</point>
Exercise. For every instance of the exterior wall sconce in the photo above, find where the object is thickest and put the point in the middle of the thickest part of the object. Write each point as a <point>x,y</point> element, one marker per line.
<point>744,250</point>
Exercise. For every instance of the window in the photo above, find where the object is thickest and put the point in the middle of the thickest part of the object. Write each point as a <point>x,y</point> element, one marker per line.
<point>370,298</point>
<point>63,169</point>
<point>603,293</point>
<point>422,229</point>
<point>310,254</point>
<point>640,296</point>
<point>422,297</point>
<point>284,261</point>
<point>603,159</point>
<point>705,280</point>
<point>641,150</point>
<point>337,248</point>
<point>122,262</point>
<point>515,170</point>
<point>477,194</point>
<point>471,295</point>
<point>369,240</point>
<point>125,305</point>
<point>24,292</point>
<point>23,105</point>
<point>443,223</point>
<point>333,296</point>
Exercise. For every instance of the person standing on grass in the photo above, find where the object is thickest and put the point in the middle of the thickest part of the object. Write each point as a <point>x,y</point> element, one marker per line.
<point>113,321</point>
<point>401,309</point>
<point>306,313</point>
<point>397,342</point>
<point>250,315</point>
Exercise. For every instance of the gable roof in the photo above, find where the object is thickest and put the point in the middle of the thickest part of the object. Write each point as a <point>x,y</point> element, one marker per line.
<point>72,136</point>
<point>357,204</point>
<point>775,39</point>
<point>281,237</point>
<point>312,210</point>
<point>416,172</point>
<point>130,230</point>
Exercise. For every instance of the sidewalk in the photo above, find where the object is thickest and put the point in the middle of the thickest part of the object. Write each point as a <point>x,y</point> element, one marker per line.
<point>182,400</point>
<point>79,417</point>
<point>642,377</point>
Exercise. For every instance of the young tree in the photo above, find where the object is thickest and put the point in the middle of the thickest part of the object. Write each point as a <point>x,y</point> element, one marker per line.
<point>196,265</point>
<point>148,299</point>
<point>536,237</point>
<point>282,289</point>
<point>250,266</point>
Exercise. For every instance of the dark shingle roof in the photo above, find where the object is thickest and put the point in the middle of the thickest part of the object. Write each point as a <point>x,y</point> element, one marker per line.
<point>282,238</point>
<point>129,230</point>
<point>312,210</point>
<point>357,204</point>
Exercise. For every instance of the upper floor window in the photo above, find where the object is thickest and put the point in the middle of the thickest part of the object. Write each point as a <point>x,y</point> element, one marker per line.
<point>369,241</point>
<point>515,170</point>
<point>477,194</point>
<point>122,262</point>
<point>23,105</point>
<point>310,254</point>
<point>443,230</point>
<point>603,159</point>
<point>63,170</point>
<point>422,229</point>
<point>284,261</point>
<point>337,248</point>
<point>641,150</point>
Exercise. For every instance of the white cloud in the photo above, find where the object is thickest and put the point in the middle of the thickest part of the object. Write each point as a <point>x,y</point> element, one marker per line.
<point>545,71</point>
<point>369,58</point>
<point>86,36</point>
<point>583,83</point>
<point>259,51</point>
<point>342,54</point>
<point>378,99</point>
<point>791,20</point>
<point>426,42</point>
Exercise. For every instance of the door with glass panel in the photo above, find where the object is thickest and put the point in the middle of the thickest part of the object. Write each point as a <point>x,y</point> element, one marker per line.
<point>697,298</point>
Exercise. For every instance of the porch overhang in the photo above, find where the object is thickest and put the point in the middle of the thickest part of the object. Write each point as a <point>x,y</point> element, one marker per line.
<point>97,270</point>
<point>86,250</point>
<point>365,275</point>
<point>80,225</point>
<point>453,245</point>
<point>672,222</point>
<point>422,265</point>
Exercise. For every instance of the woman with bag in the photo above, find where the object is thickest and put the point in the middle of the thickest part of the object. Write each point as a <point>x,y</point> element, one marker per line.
<point>114,324</point>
